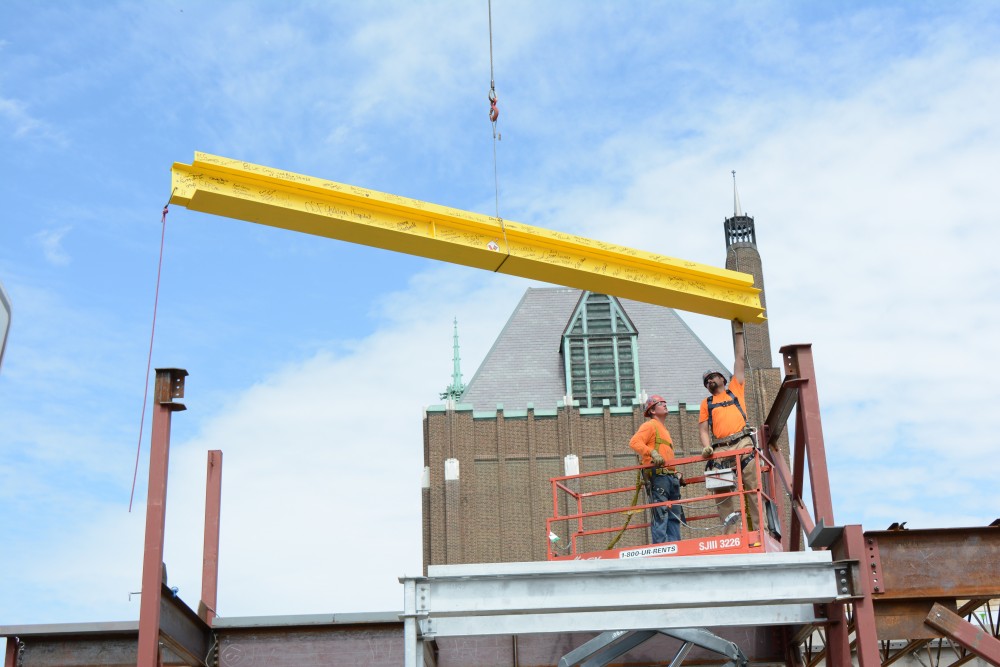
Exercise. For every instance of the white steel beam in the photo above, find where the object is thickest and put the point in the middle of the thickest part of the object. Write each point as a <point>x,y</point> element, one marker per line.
<point>596,596</point>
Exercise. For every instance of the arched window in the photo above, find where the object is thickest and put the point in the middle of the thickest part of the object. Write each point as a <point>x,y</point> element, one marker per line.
<point>600,352</point>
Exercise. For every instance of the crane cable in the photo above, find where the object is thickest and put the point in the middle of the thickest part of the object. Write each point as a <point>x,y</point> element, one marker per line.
<point>149,358</point>
<point>494,114</point>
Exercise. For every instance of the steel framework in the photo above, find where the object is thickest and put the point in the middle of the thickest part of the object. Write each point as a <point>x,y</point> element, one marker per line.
<point>882,594</point>
<point>858,591</point>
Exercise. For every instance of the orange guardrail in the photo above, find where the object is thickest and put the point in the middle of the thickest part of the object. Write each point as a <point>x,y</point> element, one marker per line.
<point>592,516</point>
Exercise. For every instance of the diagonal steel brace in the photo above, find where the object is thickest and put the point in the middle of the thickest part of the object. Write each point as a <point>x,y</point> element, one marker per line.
<point>605,647</point>
<point>710,641</point>
<point>608,646</point>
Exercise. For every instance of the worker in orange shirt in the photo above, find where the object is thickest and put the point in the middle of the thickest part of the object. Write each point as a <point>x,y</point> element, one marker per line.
<point>653,444</point>
<point>722,427</point>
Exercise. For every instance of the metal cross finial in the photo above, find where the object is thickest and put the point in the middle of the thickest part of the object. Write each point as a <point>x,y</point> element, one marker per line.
<point>455,389</point>
<point>736,198</point>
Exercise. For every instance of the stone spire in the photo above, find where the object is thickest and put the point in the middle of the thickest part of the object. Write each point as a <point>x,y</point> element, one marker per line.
<point>739,228</point>
<point>742,255</point>
<point>736,198</point>
<point>454,391</point>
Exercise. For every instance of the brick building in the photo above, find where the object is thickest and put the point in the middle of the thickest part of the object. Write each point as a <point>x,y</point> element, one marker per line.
<point>567,377</point>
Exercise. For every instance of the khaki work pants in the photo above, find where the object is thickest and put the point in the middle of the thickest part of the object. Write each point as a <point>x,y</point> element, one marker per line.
<point>751,481</point>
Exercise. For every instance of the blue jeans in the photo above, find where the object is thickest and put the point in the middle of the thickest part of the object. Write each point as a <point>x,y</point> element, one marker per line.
<point>666,524</point>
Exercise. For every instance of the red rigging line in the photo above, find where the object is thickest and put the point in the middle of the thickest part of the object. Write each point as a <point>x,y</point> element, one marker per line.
<point>494,115</point>
<point>149,358</point>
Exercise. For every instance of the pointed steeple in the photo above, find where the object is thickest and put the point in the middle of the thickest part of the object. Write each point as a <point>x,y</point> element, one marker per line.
<point>736,198</point>
<point>739,228</point>
<point>742,255</point>
<point>457,387</point>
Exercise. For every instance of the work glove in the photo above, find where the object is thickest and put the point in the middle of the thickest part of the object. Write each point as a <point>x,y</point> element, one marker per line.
<point>707,452</point>
<point>656,458</point>
<point>737,326</point>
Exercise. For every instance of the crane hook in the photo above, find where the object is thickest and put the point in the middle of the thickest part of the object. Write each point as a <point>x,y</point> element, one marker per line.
<point>494,111</point>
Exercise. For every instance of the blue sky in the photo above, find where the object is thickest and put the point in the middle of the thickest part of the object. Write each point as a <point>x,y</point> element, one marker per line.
<point>865,140</point>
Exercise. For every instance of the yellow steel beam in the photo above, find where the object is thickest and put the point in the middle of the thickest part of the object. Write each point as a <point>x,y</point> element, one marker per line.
<point>234,189</point>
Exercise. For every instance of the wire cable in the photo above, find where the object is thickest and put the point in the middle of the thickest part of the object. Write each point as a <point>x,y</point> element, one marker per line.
<point>494,115</point>
<point>149,358</point>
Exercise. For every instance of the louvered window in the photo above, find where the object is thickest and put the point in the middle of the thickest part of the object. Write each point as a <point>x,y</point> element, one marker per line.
<point>600,353</point>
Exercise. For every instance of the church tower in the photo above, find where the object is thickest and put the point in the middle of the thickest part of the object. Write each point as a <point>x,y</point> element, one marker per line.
<point>763,379</point>
<point>742,255</point>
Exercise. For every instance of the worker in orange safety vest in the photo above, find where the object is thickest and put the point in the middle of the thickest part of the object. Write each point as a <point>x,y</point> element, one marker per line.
<point>722,427</point>
<point>654,446</point>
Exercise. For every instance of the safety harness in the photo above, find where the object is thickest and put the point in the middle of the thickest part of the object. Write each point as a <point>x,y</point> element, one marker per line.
<point>733,401</point>
<point>656,447</point>
<point>642,480</point>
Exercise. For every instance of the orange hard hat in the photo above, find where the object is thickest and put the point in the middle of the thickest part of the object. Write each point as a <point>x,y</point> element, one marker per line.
<point>652,401</point>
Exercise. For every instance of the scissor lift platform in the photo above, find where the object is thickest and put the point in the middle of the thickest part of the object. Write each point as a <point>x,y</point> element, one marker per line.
<point>591,512</point>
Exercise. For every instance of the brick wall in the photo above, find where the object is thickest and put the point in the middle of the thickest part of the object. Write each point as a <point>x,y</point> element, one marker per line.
<point>744,257</point>
<point>496,510</point>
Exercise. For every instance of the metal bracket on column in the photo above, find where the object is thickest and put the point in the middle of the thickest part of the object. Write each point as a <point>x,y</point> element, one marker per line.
<point>170,385</point>
<point>847,573</point>
<point>823,536</point>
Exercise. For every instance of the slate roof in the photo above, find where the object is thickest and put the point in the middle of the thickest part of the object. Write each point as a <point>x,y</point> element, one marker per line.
<point>525,365</point>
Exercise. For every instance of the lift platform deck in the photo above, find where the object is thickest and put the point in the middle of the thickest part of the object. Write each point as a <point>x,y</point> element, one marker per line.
<point>594,512</point>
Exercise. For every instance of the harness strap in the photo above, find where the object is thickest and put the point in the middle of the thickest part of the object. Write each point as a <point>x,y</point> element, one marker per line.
<point>711,406</point>
<point>656,446</point>
<point>657,441</point>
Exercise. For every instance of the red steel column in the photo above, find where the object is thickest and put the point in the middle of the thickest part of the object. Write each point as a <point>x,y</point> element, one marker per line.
<point>809,442</point>
<point>864,606</point>
<point>812,432</point>
<point>210,559</point>
<point>798,476</point>
<point>10,658</point>
<point>169,385</point>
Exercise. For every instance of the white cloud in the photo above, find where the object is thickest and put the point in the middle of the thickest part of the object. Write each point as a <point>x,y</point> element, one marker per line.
<point>21,124</point>
<point>51,242</point>
<point>874,218</point>
<point>869,172</point>
<point>322,462</point>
